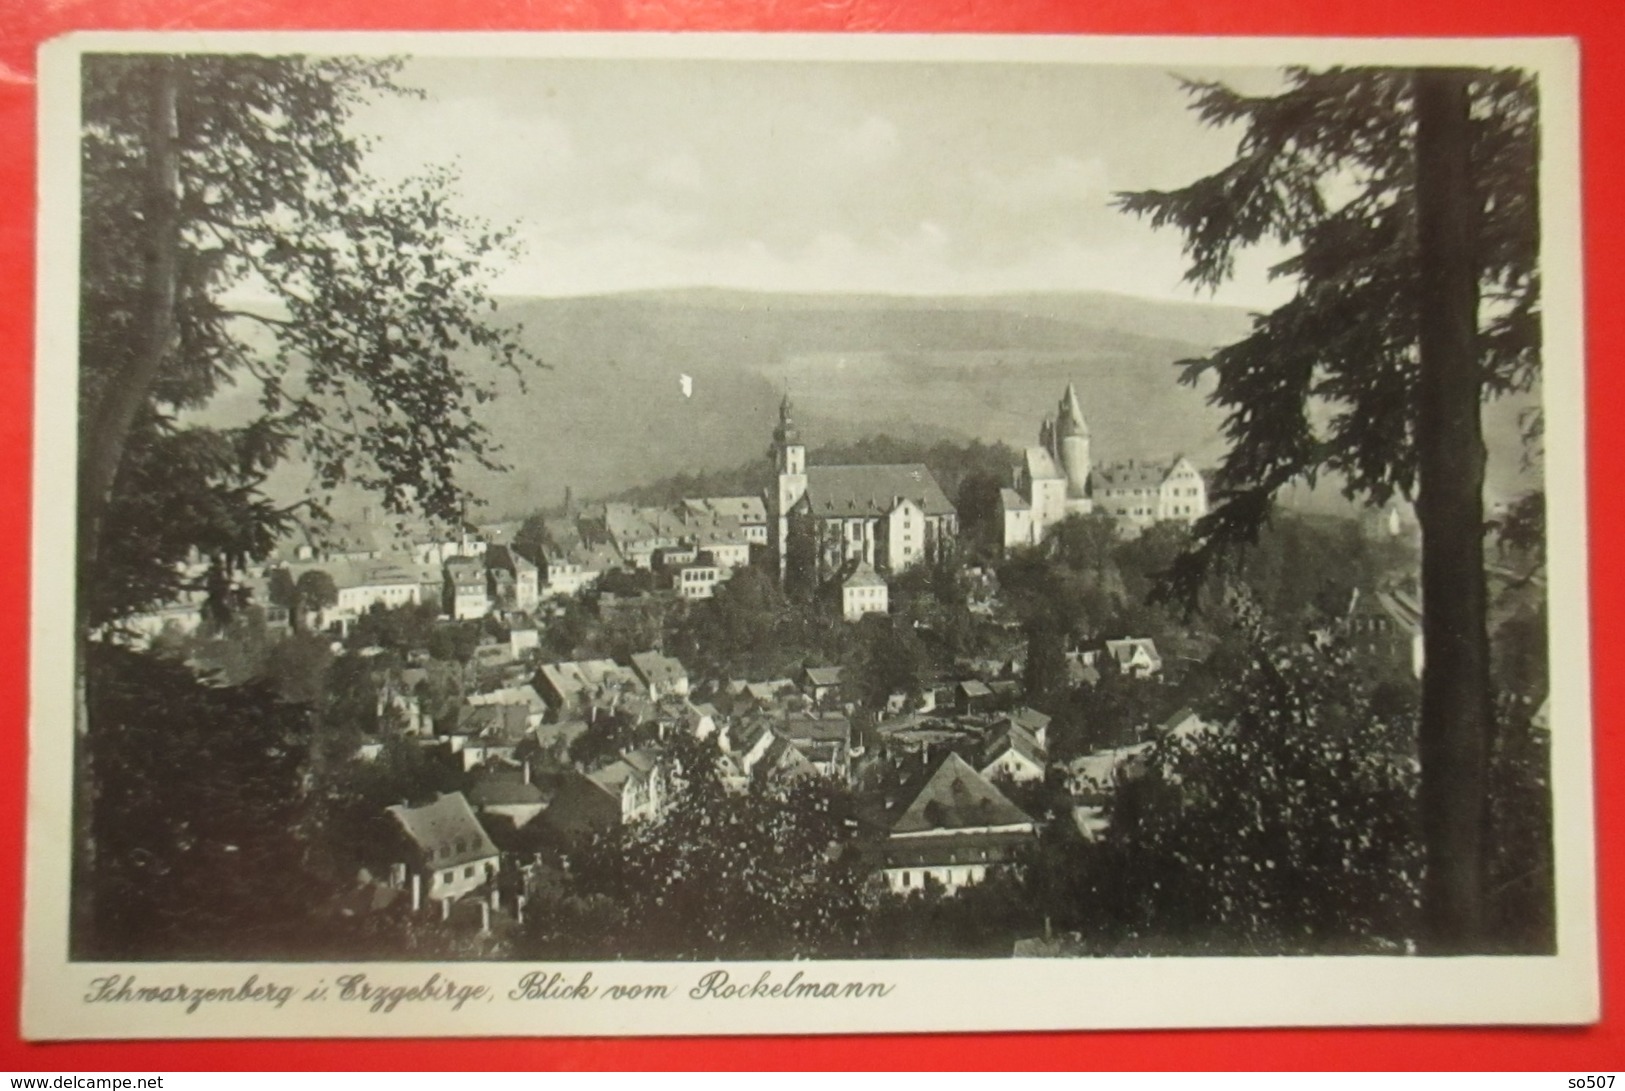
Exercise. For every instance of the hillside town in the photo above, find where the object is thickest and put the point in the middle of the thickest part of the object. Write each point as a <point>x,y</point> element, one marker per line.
<point>476,668</point>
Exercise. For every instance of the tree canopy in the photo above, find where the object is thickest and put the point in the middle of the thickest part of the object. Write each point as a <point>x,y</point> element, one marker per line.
<point>233,243</point>
<point>1329,380</point>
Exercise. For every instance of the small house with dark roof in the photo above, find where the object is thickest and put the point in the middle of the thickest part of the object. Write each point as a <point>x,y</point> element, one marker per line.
<point>972,695</point>
<point>949,826</point>
<point>1012,752</point>
<point>631,789</point>
<point>1136,656</point>
<point>661,675</point>
<point>1034,722</point>
<point>500,789</point>
<point>821,683</point>
<point>452,854</point>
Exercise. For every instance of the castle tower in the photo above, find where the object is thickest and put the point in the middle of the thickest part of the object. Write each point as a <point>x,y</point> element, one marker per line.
<point>790,464</point>
<point>1072,445</point>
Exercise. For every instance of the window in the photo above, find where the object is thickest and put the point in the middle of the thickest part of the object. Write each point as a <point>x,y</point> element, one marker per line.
<point>468,872</point>
<point>448,877</point>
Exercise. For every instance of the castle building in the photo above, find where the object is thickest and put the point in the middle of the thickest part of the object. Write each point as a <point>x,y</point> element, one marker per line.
<point>889,517</point>
<point>1058,478</point>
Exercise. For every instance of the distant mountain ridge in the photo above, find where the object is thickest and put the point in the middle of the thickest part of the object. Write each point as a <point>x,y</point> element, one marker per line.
<point>611,415</point>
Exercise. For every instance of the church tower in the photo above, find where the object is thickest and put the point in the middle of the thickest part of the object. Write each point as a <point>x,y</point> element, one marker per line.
<point>1072,448</point>
<point>790,464</point>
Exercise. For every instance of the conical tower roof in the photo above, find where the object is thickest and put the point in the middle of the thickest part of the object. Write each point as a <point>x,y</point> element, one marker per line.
<point>1069,417</point>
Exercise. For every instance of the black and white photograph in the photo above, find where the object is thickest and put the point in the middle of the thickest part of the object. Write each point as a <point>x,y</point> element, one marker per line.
<point>944,536</point>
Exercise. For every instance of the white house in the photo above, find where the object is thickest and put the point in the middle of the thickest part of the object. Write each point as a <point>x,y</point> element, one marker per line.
<point>951,826</point>
<point>863,592</point>
<point>453,854</point>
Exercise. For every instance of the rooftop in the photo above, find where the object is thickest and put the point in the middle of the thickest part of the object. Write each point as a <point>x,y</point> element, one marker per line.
<point>952,796</point>
<point>872,491</point>
<point>446,830</point>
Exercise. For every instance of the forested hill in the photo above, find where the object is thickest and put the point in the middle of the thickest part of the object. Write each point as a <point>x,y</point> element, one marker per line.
<point>611,414</point>
<point>950,462</point>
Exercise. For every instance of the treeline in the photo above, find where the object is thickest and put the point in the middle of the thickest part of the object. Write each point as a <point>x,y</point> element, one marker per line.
<point>952,463</point>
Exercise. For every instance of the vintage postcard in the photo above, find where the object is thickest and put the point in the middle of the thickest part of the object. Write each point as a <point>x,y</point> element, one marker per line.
<point>651,534</point>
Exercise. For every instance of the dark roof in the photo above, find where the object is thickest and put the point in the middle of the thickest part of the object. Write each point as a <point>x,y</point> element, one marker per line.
<point>446,830</point>
<point>1012,500</point>
<point>870,491</point>
<point>957,797</point>
<point>1030,718</point>
<point>816,726</point>
<point>495,788</point>
<point>658,670</point>
<point>506,723</point>
<point>1017,738</point>
<point>1132,474</point>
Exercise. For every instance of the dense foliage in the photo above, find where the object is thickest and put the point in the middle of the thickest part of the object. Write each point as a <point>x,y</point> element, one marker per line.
<point>209,180</point>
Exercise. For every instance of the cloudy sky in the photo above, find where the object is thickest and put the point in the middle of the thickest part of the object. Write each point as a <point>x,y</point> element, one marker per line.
<point>898,177</point>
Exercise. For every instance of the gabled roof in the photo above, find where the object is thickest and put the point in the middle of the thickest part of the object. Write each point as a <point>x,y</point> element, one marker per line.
<point>1177,720</point>
<point>658,670</point>
<point>577,676</point>
<point>1016,738</point>
<point>824,676</point>
<point>633,765</point>
<point>848,492</point>
<point>1123,650</point>
<point>503,787</point>
<point>745,509</point>
<point>1132,474</point>
<point>446,830</point>
<point>767,691</point>
<point>1030,718</point>
<point>1041,465</point>
<point>817,726</point>
<point>499,723</point>
<point>863,575</point>
<point>953,796</point>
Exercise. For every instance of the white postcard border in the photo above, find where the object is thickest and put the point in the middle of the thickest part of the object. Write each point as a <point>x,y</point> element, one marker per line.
<point>59,996</point>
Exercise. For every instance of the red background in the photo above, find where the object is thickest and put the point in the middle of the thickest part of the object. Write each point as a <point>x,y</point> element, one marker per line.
<point>24,24</point>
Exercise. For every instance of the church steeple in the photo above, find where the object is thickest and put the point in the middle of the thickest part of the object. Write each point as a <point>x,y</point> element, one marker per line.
<point>786,430</point>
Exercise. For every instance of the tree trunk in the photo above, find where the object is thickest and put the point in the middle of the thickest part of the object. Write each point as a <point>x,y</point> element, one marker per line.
<point>1456,707</point>
<point>103,433</point>
<point>107,428</point>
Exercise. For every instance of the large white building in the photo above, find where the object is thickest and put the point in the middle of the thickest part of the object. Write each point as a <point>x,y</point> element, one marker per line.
<point>889,517</point>
<point>1059,478</point>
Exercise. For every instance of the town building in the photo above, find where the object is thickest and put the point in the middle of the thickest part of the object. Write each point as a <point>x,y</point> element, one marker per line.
<point>1014,754</point>
<point>450,853</point>
<point>1058,478</point>
<point>862,592</point>
<point>632,788</point>
<point>749,513</point>
<point>466,594</point>
<point>889,517</point>
<point>950,826</point>
<point>661,675</point>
